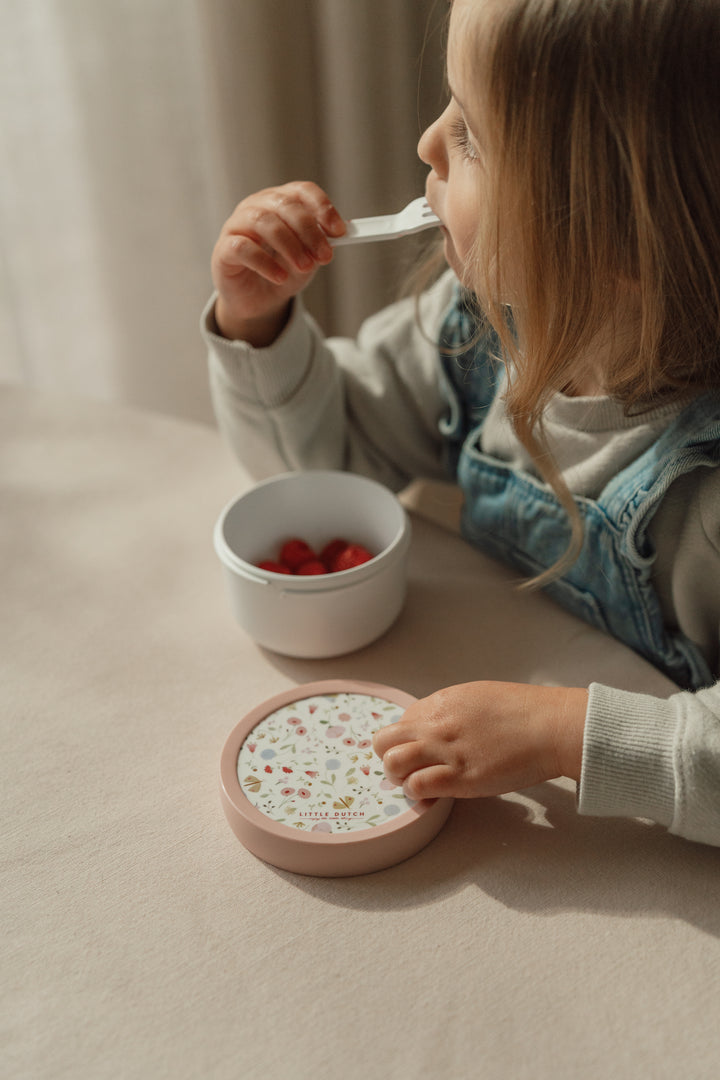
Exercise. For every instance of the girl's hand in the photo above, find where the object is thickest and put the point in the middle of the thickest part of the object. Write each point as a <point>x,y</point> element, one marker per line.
<point>267,252</point>
<point>484,738</point>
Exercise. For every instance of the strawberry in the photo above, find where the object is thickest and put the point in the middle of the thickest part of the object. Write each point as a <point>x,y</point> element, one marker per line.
<point>276,567</point>
<point>294,553</point>
<point>312,566</point>
<point>351,555</point>
<point>331,551</point>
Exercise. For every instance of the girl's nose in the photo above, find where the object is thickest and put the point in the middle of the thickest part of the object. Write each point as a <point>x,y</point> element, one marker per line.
<point>431,148</point>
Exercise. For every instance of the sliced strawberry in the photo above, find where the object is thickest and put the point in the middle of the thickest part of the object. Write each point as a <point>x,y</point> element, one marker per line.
<point>276,567</point>
<point>351,555</point>
<point>312,566</point>
<point>295,552</point>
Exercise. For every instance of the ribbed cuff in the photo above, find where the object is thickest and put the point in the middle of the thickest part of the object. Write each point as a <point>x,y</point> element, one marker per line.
<point>628,756</point>
<point>268,376</point>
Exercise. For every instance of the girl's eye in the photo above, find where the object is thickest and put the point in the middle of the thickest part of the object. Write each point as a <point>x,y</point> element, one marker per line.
<point>461,139</point>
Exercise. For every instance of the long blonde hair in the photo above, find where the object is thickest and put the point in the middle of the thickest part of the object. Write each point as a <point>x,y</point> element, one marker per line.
<point>607,119</point>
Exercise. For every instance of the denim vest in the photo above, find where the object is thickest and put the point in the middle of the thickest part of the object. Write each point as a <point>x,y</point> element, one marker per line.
<point>516,517</point>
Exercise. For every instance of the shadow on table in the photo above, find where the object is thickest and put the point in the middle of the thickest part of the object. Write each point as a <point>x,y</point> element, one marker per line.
<point>535,854</point>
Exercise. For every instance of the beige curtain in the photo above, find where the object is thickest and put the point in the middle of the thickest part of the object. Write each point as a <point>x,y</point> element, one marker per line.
<point>129,130</point>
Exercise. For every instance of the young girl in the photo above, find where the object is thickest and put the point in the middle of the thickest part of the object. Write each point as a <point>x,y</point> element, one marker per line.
<point>576,173</point>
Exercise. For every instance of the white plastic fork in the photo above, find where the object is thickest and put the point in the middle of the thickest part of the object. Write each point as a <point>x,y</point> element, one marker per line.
<point>415,217</point>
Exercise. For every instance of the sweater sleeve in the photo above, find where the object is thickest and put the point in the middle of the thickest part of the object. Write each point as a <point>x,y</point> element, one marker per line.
<point>370,405</point>
<point>650,758</point>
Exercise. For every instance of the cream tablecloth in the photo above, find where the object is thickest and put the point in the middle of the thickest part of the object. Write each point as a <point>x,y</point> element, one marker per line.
<point>140,939</point>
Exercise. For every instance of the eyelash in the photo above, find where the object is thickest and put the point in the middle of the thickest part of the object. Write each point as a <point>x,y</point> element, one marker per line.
<point>461,139</point>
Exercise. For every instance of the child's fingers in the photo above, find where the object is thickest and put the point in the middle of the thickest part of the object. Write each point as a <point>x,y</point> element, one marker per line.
<point>317,201</point>
<point>237,253</point>
<point>292,221</point>
<point>392,735</point>
<point>435,782</point>
<point>405,758</point>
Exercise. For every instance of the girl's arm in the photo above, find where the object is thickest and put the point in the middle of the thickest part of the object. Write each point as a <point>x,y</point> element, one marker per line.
<point>369,405</point>
<point>645,757</point>
<point>634,755</point>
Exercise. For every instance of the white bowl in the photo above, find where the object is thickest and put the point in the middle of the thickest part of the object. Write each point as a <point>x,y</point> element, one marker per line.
<point>318,615</point>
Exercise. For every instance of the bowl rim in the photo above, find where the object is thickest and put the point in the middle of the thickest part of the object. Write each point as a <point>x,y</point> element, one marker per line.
<point>312,583</point>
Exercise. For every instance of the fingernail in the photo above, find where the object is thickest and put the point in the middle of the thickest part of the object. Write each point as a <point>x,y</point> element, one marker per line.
<point>335,224</point>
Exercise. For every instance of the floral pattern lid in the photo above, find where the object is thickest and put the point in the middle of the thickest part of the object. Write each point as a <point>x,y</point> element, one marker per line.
<point>302,788</point>
<point>310,764</point>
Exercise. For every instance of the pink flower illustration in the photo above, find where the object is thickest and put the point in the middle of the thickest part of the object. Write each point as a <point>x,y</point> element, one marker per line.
<point>294,720</point>
<point>322,826</point>
<point>252,747</point>
<point>311,772</point>
<point>286,768</point>
<point>287,791</point>
<point>268,769</point>
<point>364,743</point>
<point>335,731</point>
<point>301,731</point>
<point>344,716</point>
<point>303,793</point>
<point>365,769</point>
<point>348,742</point>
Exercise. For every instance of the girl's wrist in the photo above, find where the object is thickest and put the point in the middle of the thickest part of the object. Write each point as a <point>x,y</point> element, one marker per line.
<point>569,729</point>
<point>260,331</point>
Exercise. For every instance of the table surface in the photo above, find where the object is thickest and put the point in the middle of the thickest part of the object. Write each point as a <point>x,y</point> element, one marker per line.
<point>141,940</point>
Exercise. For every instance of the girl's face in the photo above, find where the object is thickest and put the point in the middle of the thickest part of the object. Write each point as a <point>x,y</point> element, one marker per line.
<point>456,148</point>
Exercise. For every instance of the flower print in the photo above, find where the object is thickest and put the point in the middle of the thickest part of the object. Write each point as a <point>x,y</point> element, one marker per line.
<point>346,717</point>
<point>335,731</point>
<point>252,747</point>
<point>376,715</point>
<point>287,791</point>
<point>311,772</point>
<point>294,720</point>
<point>312,709</point>
<point>365,769</point>
<point>322,826</point>
<point>348,742</point>
<point>332,764</point>
<point>303,793</point>
<point>286,768</point>
<point>301,731</point>
<point>364,743</point>
<point>268,769</point>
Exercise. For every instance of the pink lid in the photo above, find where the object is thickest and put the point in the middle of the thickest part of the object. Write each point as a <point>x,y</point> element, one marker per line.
<point>302,788</point>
